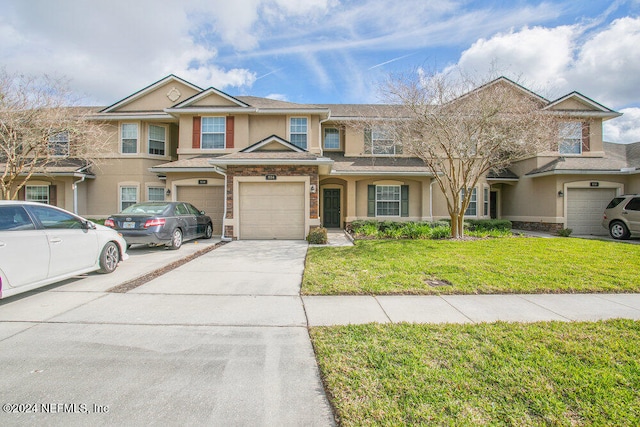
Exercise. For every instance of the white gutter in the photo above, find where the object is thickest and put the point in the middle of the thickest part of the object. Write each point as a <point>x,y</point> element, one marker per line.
<point>320,161</point>
<point>224,213</point>
<point>320,131</point>
<point>75,194</point>
<point>367,173</point>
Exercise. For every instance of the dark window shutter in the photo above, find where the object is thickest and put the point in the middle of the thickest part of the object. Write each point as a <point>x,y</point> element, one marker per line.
<point>404,200</point>
<point>371,201</point>
<point>53,195</point>
<point>230,125</point>
<point>586,143</point>
<point>368,147</point>
<point>22,194</point>
<point>195,142</point>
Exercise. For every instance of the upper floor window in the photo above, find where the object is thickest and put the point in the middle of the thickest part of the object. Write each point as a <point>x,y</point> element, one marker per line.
<point>381,143</point>
<point>298,131</point>
<point>213,132</point>
<point>157,139</point>
<point>59,144</point>
<point>331,139</point>
<point>129,138</point>
<point>570,138</point>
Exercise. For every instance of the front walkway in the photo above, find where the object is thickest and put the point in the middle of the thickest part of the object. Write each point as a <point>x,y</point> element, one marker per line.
<point>342,310</point>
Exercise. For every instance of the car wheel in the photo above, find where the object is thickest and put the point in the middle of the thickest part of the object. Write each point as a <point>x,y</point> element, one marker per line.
<point>109,258</point>
<point>176,239</point>
<point>618,230</point>
<point>208,231</point>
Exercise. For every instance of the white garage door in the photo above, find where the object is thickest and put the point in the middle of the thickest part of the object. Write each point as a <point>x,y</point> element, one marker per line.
<point>272,210</point>
<point>206,198</point>
<point>585,207</point>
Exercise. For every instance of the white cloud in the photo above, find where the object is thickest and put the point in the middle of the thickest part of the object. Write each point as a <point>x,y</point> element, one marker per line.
<point>108,53</point>
<point>623,129</point>
<point>277,96</point>
<point>540,55</point>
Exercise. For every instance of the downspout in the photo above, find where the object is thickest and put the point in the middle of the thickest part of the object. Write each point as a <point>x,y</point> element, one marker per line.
<point>75,194</point>
<point>320,131</point>
<point>431,198</point>
<point>224,214</point>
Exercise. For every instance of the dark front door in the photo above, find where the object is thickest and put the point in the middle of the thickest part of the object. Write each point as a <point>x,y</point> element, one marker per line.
<point>493,204</point>
<point>331,210</point>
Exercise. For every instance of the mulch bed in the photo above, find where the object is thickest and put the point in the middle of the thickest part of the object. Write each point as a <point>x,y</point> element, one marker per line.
<point>139,281</point>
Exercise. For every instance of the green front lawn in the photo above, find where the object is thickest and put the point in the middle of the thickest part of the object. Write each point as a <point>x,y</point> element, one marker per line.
<point>549,373</point>
<point>503,265</point>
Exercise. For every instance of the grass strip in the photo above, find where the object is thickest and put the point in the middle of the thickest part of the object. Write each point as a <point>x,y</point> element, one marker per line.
<point>547,373</point>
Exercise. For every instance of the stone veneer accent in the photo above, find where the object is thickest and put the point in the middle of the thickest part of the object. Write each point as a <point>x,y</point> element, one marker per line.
<point>278,170</point>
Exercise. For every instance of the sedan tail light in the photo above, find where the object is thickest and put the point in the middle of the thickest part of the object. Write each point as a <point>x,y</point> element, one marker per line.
<point>109,223</point>
<point>154,222</point>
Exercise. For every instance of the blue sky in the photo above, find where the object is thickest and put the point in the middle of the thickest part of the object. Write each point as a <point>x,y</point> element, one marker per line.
<point>329,51</point>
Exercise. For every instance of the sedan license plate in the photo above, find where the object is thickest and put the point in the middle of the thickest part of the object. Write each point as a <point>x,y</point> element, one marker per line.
<point>128,224</point>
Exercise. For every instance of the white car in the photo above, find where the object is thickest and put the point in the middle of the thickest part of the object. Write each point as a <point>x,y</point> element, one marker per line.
<point>42,244</point>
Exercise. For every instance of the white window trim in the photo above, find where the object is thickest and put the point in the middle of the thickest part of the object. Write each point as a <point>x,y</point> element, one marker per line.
<point>399,187</point>
<point>324,139</point>
<point>373,144</point>
<point>26,190</point>
<point>486,194</point>
<point>475,189</point>
<point>137,138</point>
<point>68,144</point>
<point>202,133</point>
<point>306,133</point>
<point>149,187</point>
<point>166,137</point>
<point>579,139</point>
<point>127,185</point>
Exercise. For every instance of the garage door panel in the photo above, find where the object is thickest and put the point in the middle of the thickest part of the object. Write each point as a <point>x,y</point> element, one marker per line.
<point>272,210</point>
<point>585,207</point>
<point>209,199</point>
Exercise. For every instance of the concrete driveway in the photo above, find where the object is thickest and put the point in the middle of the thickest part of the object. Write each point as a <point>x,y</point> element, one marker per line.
<point>221,340</point>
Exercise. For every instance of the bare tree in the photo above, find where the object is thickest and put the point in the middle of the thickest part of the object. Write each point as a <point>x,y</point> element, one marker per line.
<point>462,130</point>
<point>39,128</point>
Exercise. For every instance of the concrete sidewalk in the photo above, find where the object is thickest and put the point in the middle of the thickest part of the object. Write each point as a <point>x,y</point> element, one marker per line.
<point>342,310</point>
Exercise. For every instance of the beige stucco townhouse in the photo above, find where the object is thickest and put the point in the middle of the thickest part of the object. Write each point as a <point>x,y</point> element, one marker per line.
<point>267,169</point>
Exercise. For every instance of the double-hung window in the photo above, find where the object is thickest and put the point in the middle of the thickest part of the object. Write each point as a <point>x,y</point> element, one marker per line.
<point>486,201</point>
<point>213,133</point>
<point>298,131</point>
<point>472,208</point>
<point>387,200</point>
<point>129,138</point>
<point>157,140</point>
<point>37,193</point>
<point>156,194</point>
<point>380,143</point>
<point>331,139</point>
<point>128,197</point>
<point>59,144</point>
<point>570,138</point>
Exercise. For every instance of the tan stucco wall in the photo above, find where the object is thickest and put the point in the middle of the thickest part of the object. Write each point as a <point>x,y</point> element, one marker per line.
<point>215,100</point>
<point>103,191</point>
<point>157,100</point>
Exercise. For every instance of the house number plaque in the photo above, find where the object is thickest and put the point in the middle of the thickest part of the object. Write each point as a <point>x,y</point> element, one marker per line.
<point>271,177</point>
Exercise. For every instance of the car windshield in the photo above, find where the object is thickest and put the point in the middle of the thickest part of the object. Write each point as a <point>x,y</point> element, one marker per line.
<point>615,202</point>
<point>147,208</point>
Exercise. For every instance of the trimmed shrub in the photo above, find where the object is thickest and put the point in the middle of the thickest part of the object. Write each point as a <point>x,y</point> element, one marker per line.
<point>317,236</point>
<point>565,232</point>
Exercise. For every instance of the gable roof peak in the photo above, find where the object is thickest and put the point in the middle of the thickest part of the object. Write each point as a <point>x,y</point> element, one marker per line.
<point>140,93</point>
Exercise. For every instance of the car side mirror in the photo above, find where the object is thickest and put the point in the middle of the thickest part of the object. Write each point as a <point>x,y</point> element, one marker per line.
<point>88,225</point>
<point>202,213</point>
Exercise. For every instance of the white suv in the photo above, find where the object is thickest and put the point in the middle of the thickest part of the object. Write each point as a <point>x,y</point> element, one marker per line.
<point>622,216</point>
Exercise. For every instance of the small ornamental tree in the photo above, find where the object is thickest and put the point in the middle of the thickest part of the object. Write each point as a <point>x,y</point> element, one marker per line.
<point>39,128</point>
<point>462,130</point>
